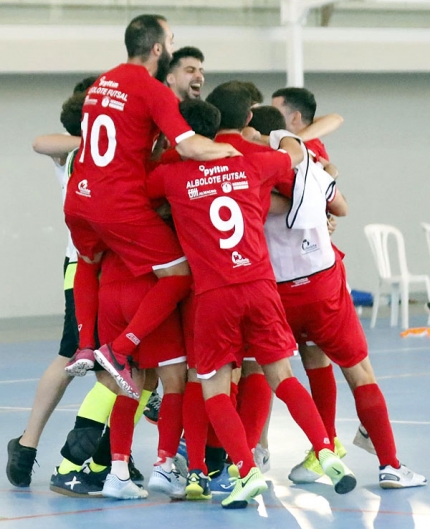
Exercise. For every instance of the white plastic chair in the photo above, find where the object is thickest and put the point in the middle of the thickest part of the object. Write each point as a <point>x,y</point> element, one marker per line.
<point>426,227</point>
<point>378,235</point>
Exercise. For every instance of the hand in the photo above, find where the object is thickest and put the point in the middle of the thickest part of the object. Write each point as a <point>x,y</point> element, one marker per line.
<point>331,224</point>
<point>251,134</point>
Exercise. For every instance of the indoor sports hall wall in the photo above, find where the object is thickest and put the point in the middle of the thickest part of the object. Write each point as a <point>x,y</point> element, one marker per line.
<point>382,152</point>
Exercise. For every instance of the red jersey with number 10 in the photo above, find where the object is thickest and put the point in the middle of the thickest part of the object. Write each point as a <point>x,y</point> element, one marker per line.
<point>217,211</point>
<point>122,115</point>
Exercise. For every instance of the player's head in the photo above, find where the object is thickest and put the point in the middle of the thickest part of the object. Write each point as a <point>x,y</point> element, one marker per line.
<point>256,95</point>
<point>150,34</point>
<point>83,85</point>
<point>234,101</point>
<point>297,105</point>
<point>202,117</point>
<point>185,75</point>
<point>267,118</point>
<point>71,113</point>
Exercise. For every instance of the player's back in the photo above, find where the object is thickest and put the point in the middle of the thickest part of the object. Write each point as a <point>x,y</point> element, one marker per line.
<point>120,121</point>
<point>218,215</point>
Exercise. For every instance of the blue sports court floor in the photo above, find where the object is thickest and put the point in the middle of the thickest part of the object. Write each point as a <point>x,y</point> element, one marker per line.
<point>403,370</point>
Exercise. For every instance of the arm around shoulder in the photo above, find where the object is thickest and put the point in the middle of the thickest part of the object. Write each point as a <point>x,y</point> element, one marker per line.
<point>56,145</point>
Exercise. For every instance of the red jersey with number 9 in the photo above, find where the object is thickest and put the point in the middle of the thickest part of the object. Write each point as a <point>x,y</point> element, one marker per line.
<point>217,211</point>
<point>122,115</point>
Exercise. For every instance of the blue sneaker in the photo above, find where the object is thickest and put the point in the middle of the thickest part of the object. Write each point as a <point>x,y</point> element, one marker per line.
<point>225,481</point>
<point>75,484</point>
<point>181,459</point>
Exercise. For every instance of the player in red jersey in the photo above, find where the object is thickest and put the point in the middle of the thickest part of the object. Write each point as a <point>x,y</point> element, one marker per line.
<point>218,214</point>
<point>312,284</point>
<point>106,206</point>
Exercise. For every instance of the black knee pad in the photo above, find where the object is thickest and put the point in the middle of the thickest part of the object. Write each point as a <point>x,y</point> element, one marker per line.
<point>80,444</point>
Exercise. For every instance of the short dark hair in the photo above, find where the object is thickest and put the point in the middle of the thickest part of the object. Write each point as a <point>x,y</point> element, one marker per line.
<point>83,85</point>
<point>234,102</point>
<point>71,113</point>
<point>142,33</point>
<point>182,53</point>
<point>202,117</point>
<point>299,99</point>
<point>256,95</point>
<point>267,118</point>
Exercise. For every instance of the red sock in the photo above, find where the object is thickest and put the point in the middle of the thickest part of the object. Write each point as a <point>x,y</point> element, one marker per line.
<point>160,301</point>
<point>122,425</point>
<point>230,431</point>
<point>324,392</point>
<point>373,414</point>
<point>254,406</point>
<point>86,296</point>
<point>213,440</point>
<point>196,424</point>
<point>170,423</point>
<point>304,412</point>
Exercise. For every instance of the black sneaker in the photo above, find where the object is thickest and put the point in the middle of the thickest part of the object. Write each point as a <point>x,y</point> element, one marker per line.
<point>152,408</point>
<point>135,473</point>
<point>95,478</point>
<point>20,463</point>
<point>75,484</point>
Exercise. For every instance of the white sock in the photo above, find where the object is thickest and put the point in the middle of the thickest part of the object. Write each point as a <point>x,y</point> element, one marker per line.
<point>120,469</point>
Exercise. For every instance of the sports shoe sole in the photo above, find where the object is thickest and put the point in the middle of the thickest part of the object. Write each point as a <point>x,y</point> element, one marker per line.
<point>195,492</point>
<point>79,368</point>
<point>346,483</point>
<point>122,383</point>
<point>71,494</point>
<point>258,487</point>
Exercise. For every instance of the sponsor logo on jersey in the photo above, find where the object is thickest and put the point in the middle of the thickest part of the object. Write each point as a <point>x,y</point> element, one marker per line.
<point>308,247</point>
<point>239,260</point>
<point>83,189</point>
<point>210,171</point>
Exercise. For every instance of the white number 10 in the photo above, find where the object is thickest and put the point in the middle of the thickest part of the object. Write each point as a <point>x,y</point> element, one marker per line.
<point>101,160</point>
<point>235,221</point>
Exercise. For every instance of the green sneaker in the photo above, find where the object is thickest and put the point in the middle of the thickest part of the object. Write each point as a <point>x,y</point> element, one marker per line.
<point>245,489</point>
<point>309,470</point>
<point>342,478</point>
<point>197,487</point>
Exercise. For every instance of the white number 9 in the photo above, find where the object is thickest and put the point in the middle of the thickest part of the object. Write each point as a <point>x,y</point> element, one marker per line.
<point>235,221</point>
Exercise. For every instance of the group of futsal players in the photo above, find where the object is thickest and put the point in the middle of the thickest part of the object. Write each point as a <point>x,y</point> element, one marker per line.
<point>195,247</point>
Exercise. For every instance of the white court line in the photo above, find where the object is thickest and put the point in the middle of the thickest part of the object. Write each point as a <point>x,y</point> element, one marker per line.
<point>400,350</point>
<point>73,408</point>
<point>416,423</point>
<point>19,381</point>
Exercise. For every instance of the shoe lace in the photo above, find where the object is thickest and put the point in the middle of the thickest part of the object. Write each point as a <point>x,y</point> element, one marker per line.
<point>155,401</point>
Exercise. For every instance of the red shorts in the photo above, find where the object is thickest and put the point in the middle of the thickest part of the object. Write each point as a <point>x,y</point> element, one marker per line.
<point>228,317</point>
<point>144,244</point>
<point>118,302</point>
<point>331,323</point>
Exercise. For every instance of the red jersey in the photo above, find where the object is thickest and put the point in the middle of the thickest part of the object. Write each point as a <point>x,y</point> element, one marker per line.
<point>317,149</point>
<point>122,115</point>
<point>218,214</point>
<point>247,147</point>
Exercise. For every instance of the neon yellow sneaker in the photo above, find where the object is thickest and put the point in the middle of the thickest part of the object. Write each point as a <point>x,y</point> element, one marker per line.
<point>245,489</point>
<point>197,487</point>
<point>309,470</point>
<point>341,476</point>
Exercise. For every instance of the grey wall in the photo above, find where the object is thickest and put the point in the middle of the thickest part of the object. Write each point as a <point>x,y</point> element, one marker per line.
<point>381,150</point>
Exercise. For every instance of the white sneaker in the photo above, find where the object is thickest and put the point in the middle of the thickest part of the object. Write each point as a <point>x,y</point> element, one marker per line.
<point>122,490</point>
<point>262,458</point>
<point>399,478</point>
<point>362,440</point>
<point>170,483</point>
